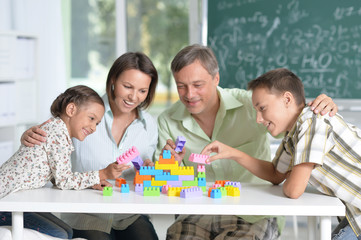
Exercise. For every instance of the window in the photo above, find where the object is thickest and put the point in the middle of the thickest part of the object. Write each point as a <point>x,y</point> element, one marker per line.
<point>159,28</point>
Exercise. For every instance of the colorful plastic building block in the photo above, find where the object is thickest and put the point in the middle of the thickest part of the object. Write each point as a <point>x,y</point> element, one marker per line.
<point>233,184</point>
<point>107,191</point>
<point>124,188</point>
<point>216,193</point>
<point>170,160</point>
<point>201,168</point>
<point>119,182</point>
<point>199,158</point>
<point>129,155</point>
<point>191,192</point>
<point>147,170</point>
<point>165,189</point>
<point>151,191</point>
<point>138,187</point>
<point>166,177</point>
<point>166,154</point>
<point>138,179</point>
<point>179,143</point>
<point>201,175</point>
<point>233,191</point>
<point>137,162</point>
<point>201,182</point>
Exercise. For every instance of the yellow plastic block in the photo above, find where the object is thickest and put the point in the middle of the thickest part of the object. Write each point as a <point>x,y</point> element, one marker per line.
<point>160,166</point>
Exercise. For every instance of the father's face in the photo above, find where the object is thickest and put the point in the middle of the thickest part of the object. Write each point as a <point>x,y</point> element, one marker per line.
<point>197,89</point>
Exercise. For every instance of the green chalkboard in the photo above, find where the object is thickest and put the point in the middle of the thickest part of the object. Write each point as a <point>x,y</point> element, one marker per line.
<point>319,40</point>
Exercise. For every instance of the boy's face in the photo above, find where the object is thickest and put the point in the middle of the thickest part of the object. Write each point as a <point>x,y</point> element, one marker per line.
<point>272,110</point>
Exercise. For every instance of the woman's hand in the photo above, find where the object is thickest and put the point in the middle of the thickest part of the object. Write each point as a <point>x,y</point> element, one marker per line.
<point>112,171</point>
<point>34,136</point>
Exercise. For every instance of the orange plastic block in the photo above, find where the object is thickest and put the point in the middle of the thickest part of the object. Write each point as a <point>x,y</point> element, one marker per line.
<point>222,182</point>
<point>138,179</point>
<point>210,190</point>
<point>120,181</point>
<point>171,160</point>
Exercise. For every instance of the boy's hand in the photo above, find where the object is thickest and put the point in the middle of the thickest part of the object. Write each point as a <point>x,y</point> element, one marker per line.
<point>323,104</point>
<point>112,171</point>
<point>170,145</point>
<point>222,150</point>
<point>34,135</point>
<point>103,183</point>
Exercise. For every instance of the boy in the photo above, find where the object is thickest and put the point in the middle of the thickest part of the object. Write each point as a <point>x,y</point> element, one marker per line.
<point>324,151</point>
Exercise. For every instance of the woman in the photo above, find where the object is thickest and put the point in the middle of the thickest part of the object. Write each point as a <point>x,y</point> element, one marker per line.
<point>130,88</point>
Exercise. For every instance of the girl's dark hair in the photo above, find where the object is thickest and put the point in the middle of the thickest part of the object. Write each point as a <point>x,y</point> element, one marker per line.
<point>138,61</point>
<point>79,95</point>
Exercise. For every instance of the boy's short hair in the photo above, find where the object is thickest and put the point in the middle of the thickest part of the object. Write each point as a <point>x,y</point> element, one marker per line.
<point>278,81</point>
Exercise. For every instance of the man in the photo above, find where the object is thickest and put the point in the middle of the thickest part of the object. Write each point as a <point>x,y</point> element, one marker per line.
<point>206,113</point>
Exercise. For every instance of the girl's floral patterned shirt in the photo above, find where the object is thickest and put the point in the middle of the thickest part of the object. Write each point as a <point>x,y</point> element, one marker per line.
<point>33,167</point>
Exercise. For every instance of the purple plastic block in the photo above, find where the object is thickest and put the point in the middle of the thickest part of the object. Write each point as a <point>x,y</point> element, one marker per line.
<point>179,143</point>
<point>198,158</point>
<point>191,192</point>
<point>138,187</point>
<point>186,177</point>
<point>234,184</point>
<point>128,155</point>
<point>137,162</point>
<point>175,183</point>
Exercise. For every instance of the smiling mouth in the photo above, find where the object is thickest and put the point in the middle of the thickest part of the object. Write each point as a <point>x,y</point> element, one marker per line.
<point>129,103</point>
<point>86,132</point>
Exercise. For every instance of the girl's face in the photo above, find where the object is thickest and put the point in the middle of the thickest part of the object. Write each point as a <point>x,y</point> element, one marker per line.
<point>130,90</point>
<point>84,119</point>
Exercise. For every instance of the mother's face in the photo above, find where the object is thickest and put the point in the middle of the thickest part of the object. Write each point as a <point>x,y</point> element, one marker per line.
<point>130,89</point>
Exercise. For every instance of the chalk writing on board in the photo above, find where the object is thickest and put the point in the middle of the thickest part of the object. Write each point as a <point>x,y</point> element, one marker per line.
<point>322,47</point>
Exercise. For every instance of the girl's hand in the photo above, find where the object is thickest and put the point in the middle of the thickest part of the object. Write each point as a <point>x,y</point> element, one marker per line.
<point>112,171</point>
<point>170,145</point>
<point>103,183</point>
<point>34,136</point>
<point>222,150</point>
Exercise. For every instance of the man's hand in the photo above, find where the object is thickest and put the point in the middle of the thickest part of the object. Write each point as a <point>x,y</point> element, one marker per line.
<point>148,163</point>
<point>170,145</point>
<point>323,104</point>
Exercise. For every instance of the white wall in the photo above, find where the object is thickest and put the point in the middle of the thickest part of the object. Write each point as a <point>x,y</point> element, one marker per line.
<point>43,19</point>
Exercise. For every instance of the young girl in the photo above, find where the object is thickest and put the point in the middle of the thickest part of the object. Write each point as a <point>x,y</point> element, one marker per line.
<point>76,113</point>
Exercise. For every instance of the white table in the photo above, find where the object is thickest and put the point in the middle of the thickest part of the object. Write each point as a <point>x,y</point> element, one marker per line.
<point>255,199</point>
